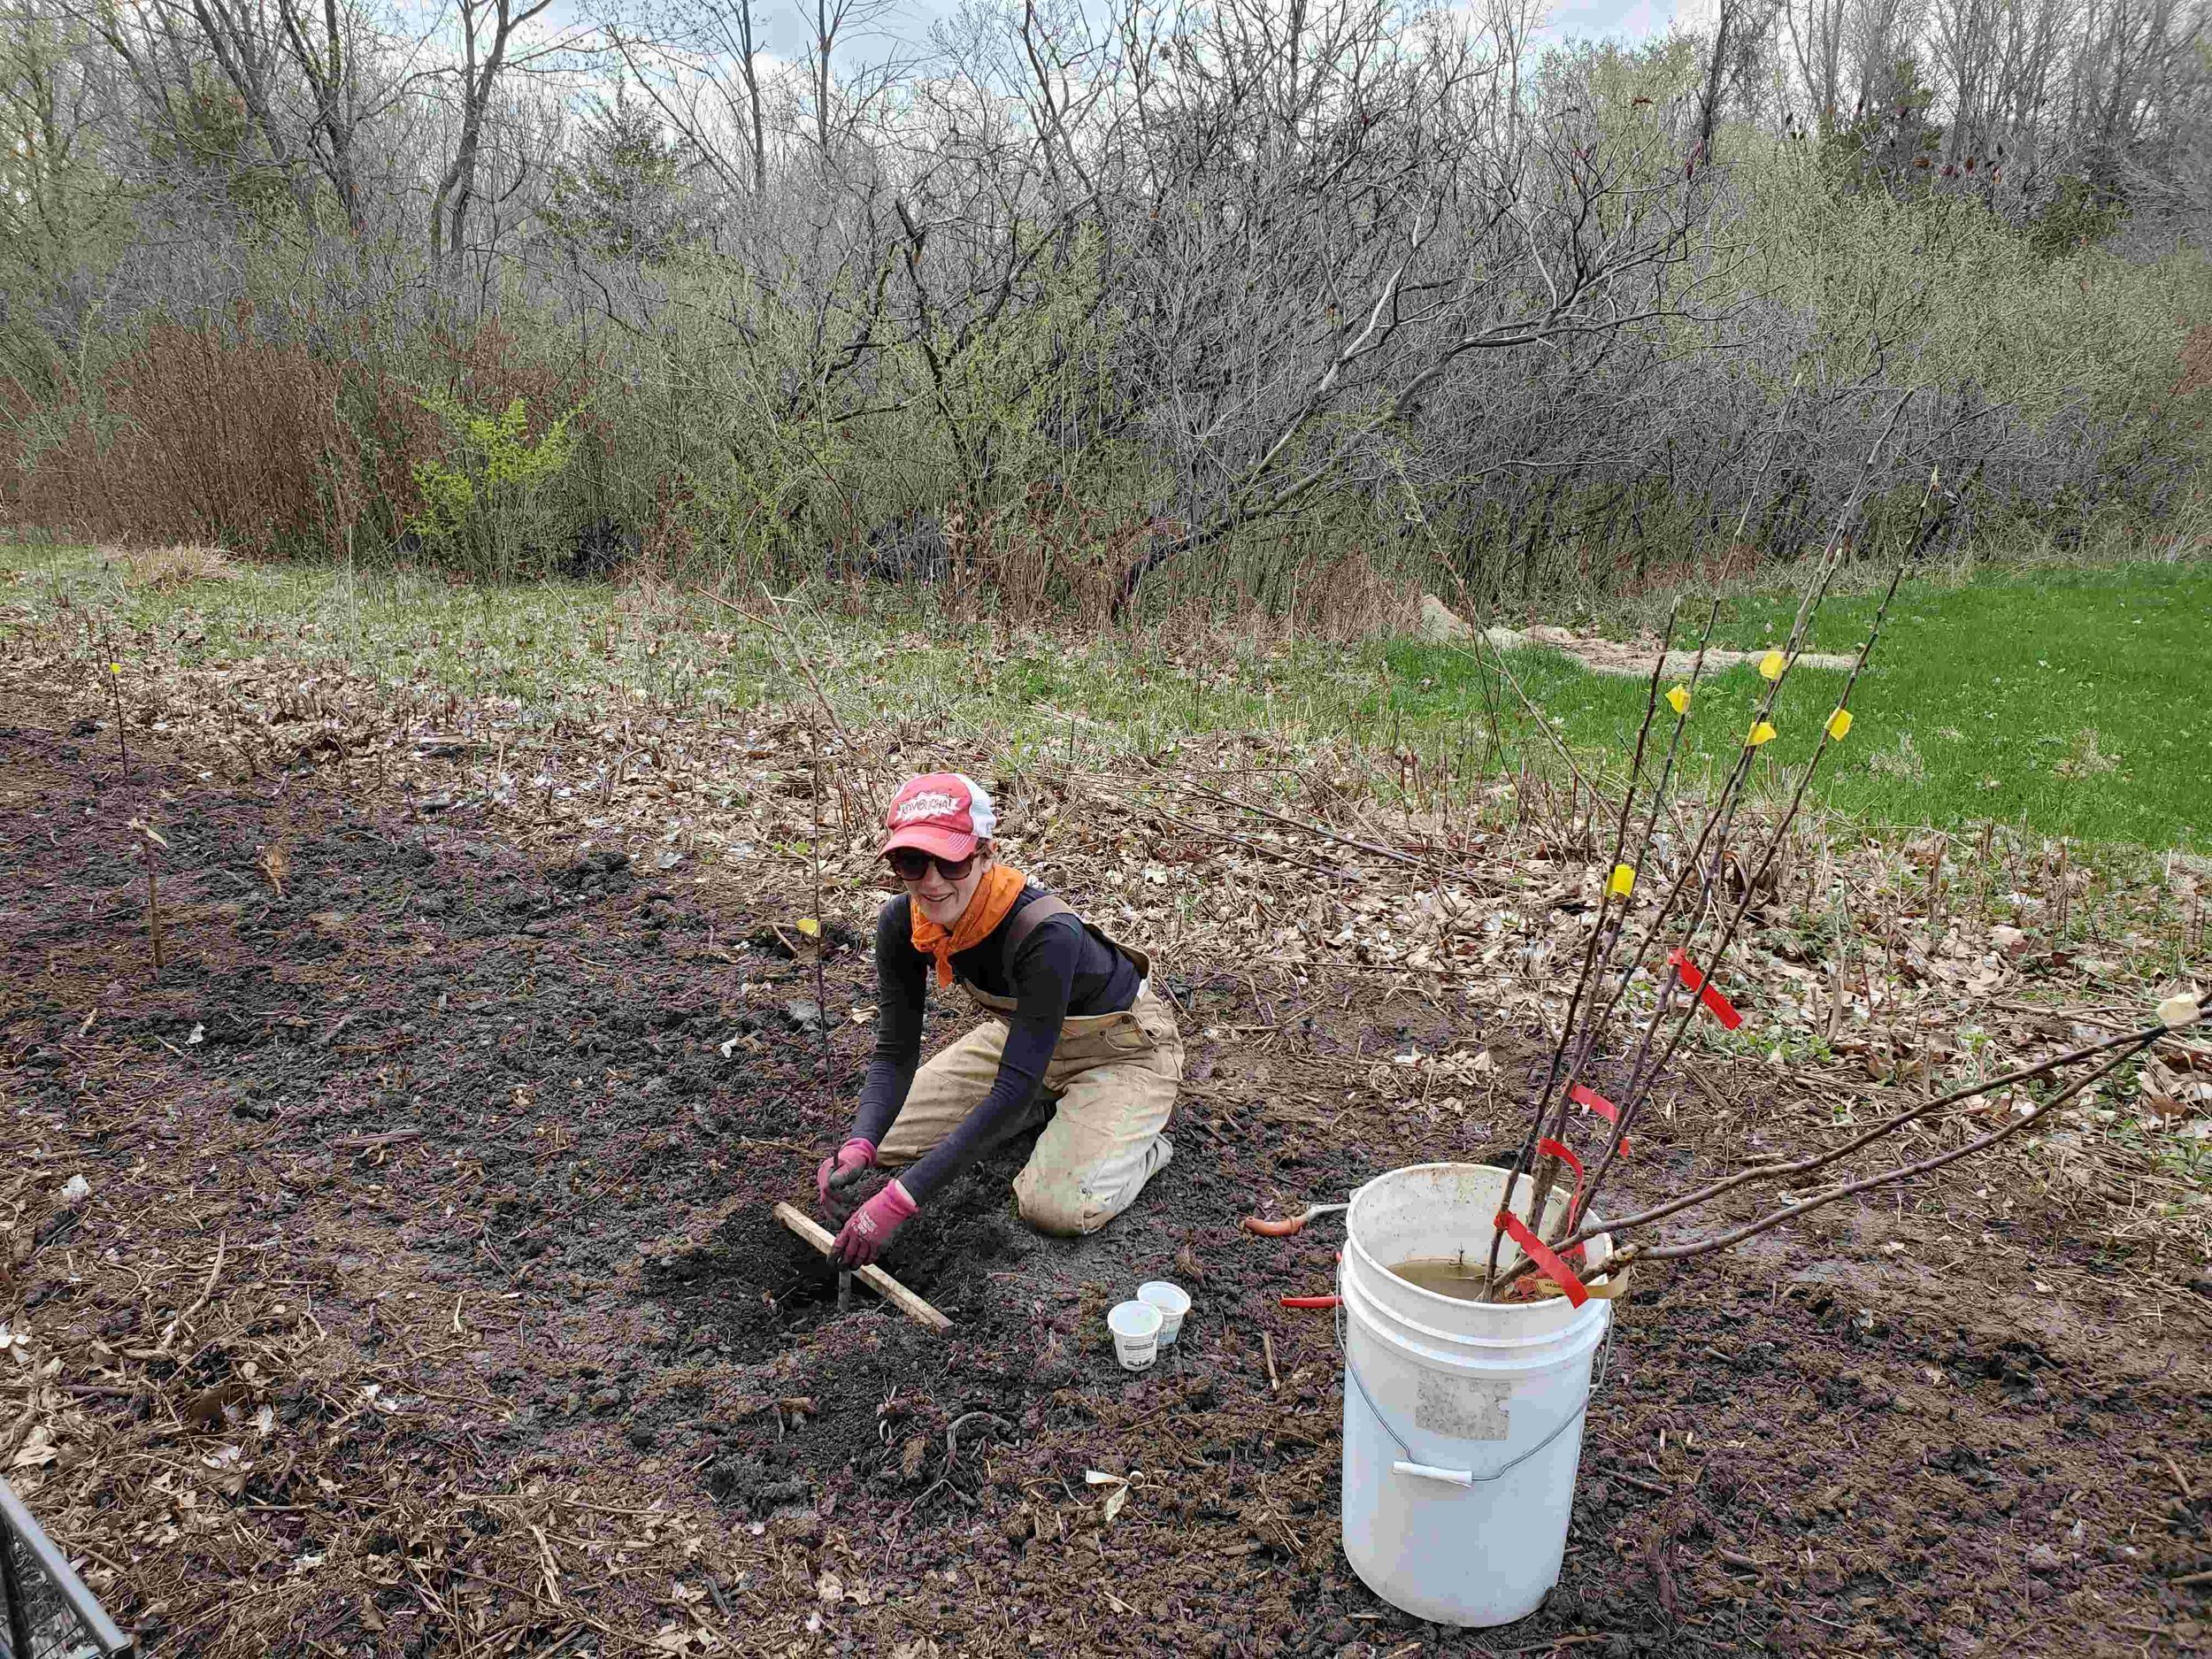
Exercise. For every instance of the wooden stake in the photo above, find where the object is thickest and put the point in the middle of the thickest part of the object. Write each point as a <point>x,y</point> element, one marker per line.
<point>876,1280</point>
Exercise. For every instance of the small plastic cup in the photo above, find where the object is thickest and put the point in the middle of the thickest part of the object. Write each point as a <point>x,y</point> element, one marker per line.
<point>1172,1300</point>
<point>1136,1328</point>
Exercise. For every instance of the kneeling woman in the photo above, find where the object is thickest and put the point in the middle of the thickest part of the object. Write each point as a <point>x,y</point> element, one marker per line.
<point>1073,1038</point>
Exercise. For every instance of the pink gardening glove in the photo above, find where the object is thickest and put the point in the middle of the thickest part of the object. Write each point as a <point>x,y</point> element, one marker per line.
<point>869,1233</point>
<point>833,1181</point>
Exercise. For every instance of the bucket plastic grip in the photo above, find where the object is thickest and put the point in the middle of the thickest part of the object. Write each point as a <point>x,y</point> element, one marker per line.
<point>1545,1258</point>
<point>1427,1471</point>
<point>1719,1006</point>
<point>1406,1465</point>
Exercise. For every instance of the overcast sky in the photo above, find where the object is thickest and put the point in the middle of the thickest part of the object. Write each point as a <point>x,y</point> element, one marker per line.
<point>1616,20</point>
<point>1589,20</point>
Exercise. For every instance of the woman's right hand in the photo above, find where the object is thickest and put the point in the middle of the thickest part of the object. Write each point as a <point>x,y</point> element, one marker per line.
<point>840,1174</point>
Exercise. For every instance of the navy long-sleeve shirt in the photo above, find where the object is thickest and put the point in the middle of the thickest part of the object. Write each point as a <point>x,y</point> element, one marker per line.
<point>1062,969</point>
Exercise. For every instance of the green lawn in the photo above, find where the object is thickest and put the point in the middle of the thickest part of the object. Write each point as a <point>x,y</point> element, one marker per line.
<point>2073,702</point>
<point>2066,702</point>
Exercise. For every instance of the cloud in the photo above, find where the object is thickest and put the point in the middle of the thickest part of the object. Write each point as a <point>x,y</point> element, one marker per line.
<point>1619,19</point>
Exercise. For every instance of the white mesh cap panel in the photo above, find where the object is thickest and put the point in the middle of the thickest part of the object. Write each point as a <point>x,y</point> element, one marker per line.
<point>980,809</point>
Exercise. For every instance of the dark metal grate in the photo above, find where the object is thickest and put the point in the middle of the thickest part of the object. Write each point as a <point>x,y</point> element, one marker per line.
<point>45,1611</point>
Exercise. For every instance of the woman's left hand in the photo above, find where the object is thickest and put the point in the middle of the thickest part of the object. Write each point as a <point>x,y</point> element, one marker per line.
<point>834,1180</point>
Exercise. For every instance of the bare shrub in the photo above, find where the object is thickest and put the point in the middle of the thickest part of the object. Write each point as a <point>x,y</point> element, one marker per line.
<point>211,436</point>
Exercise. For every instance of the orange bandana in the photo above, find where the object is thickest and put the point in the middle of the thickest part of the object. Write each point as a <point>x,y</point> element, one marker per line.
<point>995,897</point>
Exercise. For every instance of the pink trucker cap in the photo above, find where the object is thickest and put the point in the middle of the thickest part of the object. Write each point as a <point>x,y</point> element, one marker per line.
<point>940,812</point>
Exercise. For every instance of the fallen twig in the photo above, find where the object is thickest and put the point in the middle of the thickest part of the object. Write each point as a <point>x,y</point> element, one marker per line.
<point>214,1272</point>
<point>371,1142</point>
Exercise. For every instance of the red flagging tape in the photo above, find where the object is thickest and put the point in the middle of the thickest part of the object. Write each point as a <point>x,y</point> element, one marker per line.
<point>1545,1257</point>
<point>1721,1008</point>
<point>1574,1205</point>
<point>1583,1094</point>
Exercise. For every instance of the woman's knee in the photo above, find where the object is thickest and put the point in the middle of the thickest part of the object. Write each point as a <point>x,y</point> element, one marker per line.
<point>1061,1208</point>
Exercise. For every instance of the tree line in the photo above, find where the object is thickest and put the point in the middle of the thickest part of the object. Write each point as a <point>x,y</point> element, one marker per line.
<point>1274,302</point>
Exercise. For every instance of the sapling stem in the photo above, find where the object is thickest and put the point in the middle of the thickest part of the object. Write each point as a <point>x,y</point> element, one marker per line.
<point>115,691</point>
<point>1935,890</point>
<point>1547,1169</point>
<point>1664,915</point>
<point>1641,1076</point>
<point>1641,1080</point>
<point>821,940</point>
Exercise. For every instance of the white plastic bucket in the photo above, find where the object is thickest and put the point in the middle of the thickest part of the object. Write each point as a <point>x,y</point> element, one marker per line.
<point>1462,1420</point>
<point>1136,1328</point>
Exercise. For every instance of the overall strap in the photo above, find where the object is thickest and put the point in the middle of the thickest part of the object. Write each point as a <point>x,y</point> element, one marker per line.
<point>1027,920</point>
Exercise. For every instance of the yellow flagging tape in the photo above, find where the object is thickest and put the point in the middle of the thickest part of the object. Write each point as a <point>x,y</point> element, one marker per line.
<point>1761,733</point>
<point>1772,664</point>
<point>1622,881</point>
<point>1839,724</point>
<point>1679,699</point>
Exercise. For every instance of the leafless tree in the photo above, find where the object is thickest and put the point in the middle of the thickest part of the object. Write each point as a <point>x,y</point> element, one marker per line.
<point>1353,217</point>
<point>491,52</point>
<point>700,61</point>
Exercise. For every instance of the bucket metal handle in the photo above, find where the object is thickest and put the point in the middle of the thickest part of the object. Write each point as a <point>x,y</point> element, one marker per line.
<point>1410,1465</point>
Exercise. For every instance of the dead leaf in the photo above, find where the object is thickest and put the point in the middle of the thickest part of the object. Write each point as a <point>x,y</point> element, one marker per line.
<point>209,1409</point>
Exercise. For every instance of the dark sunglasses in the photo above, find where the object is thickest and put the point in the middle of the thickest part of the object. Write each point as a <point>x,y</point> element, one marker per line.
<point>910,864</point>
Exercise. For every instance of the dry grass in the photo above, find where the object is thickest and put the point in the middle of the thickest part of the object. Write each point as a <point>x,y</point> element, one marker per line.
<point>164,569</point>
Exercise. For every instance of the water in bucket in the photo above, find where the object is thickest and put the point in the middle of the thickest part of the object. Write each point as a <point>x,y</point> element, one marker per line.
<point>1447,1276</point>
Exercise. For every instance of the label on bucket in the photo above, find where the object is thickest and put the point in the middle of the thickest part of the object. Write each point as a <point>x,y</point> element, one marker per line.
<point>1463,1409</point>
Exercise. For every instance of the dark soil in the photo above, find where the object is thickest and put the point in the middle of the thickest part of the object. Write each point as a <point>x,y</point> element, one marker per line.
<point>514,1131</point>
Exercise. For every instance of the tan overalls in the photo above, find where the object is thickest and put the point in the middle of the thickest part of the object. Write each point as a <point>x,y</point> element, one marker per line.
<point>1107,1091</point>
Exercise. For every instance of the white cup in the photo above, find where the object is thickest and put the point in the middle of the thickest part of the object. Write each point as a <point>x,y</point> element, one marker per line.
<point>1171,1300</point>
<point>1136,1328</point>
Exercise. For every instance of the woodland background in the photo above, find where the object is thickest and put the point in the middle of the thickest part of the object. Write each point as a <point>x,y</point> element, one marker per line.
<point>1297,306</point>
